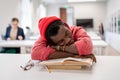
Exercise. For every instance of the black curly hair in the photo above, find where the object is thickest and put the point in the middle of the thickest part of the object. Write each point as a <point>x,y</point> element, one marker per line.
<point>52,30</point>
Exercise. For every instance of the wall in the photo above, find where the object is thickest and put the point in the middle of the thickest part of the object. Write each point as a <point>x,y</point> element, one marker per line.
<point>35,16</point>
<point>8,10</point>
<point>11,8</point>
<point>96,10</point>
<point>113,38</point>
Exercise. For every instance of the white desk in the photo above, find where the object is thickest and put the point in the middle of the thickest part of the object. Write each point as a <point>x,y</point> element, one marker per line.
<point>92,34</point>
<point>100,47</point>
<point>16,43</point>
<point>106,68</point>
<point>96,38</point>
<point>98,44</point>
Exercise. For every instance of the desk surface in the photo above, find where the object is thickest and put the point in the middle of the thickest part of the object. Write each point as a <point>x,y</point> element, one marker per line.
<point>96,38</point>
<point>106,68</point>
<point>30,43</point>
<point>17,43</point>
<point>99,43</point>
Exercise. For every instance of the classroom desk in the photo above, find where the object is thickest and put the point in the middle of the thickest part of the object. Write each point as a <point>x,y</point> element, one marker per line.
<point>92,34</point>
<point>106,68</point>
<point>99,45</point>
<point>96,38</point>
<point>16,43</point>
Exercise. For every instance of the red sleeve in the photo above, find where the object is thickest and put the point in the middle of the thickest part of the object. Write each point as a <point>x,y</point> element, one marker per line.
<point>83,42</point>
<point>41,50</point>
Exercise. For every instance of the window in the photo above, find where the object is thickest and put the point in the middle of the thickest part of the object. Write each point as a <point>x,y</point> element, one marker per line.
<point>26,14</point>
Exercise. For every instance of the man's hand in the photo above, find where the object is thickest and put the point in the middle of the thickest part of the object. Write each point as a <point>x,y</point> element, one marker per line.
<point>70,49</point>
<point>92,56</point>
<point>59,54</point>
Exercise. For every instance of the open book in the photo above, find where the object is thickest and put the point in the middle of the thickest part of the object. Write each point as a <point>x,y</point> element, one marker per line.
<point>69,63</point>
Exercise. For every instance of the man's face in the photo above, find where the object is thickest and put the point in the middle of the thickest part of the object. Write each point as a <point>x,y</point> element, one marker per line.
<point>63,37</point>
<point>14,24</point>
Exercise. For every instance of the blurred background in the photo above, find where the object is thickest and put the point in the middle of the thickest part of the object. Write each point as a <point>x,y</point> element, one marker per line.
<point>100,18</point>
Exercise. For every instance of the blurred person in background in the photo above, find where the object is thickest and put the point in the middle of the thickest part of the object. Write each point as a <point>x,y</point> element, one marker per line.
<point>13,32</point>
<point>28,33</point>
<point>101,31</point>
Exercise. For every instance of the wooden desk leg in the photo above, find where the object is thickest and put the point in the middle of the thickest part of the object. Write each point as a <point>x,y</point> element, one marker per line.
<point>23,50</point>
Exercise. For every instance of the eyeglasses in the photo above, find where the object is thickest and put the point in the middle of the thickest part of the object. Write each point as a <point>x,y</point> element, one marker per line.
<point>28,66</point>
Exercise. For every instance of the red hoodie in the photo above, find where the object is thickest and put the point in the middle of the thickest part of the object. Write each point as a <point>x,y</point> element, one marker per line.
<point>41,50</point>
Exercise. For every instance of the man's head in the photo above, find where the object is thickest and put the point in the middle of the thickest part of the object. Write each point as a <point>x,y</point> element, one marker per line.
<point>56,32</point>
<point>15,22</point>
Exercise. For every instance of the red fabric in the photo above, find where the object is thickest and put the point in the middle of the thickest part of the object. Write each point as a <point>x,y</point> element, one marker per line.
<point>44,22</point>
<point>83,43</point>
<point>41,50</point>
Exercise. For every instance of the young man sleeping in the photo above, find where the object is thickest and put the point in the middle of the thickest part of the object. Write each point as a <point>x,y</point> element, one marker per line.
<point>58,40</point>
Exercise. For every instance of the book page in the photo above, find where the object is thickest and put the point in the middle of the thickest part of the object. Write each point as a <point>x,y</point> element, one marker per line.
<point>60,61</point>
<point>79,59</point>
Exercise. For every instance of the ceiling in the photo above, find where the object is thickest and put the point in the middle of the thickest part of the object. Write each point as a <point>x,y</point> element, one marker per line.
<point>62,1</point>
